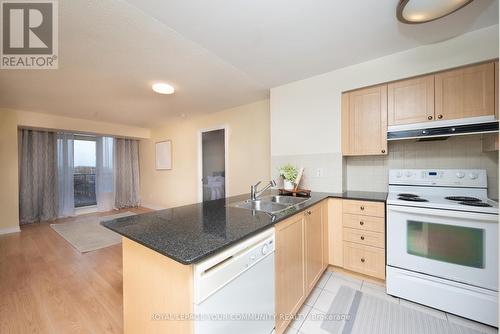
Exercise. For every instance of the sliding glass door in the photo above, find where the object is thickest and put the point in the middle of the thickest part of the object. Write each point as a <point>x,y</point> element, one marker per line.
<point>84,172</point>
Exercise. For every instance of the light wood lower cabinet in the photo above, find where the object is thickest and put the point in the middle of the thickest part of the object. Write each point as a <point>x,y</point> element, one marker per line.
<point>300,261</point>
<point>290,267</point>
<point>357,236</point>
<point>314,245</point>
<point>364,259</point>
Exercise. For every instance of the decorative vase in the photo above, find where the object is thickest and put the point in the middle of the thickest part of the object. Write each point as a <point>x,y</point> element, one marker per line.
<point>288,185</point>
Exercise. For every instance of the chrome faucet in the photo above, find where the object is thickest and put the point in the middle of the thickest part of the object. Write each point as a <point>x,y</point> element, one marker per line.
<point>253,190</point>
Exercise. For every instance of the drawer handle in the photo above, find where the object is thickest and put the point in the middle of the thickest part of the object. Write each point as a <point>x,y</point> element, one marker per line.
<point>308,213</point>
<point>361,223</point>
<point>363,260</point>
<point>362,208</point>
<point>362,238</point>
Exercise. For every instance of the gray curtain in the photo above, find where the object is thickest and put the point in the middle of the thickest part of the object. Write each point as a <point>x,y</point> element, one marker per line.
<point>126,173</point>
<point>38,193</point>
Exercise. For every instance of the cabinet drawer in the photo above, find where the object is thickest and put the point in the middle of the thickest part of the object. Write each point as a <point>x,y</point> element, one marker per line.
<point>368,238</point>
<point>366,223</point>
<point>364,259</point>
<point>364,208</point>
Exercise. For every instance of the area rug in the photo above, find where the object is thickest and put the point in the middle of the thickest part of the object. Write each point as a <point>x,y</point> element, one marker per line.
<point>86,234</point>
<point>355,312</point>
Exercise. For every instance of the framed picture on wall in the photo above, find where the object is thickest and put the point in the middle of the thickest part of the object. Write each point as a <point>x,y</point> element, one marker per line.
<point>164,155</point>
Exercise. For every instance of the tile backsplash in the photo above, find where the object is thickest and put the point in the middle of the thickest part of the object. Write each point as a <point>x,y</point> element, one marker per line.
<point>322,172</point>
<point>370,173</point>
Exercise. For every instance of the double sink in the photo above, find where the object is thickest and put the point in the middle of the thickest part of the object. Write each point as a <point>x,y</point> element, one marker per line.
<point>270,204</point>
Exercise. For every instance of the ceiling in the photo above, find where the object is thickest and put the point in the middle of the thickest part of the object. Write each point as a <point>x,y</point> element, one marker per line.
<point>217,54</point>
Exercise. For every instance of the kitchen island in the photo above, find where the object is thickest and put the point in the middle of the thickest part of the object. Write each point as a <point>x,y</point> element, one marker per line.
<point>161,247</point>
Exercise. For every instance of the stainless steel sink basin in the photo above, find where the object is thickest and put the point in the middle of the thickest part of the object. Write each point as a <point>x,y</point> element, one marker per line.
<point>260,205</point>
<point>269,204</point>
<point>288,200</point>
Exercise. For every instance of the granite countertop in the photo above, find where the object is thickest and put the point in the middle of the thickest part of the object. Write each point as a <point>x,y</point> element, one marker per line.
<point>191,233</point>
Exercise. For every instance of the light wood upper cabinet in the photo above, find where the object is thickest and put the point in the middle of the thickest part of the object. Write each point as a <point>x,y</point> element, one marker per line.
<point>410,101</point>
<point>496,89</point>
<point>364,121</point>
<point>290,269</point>
<point>465,92</point>
<point>314,245</point>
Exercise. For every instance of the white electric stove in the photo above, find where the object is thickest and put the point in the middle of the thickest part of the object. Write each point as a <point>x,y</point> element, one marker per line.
<point>442,241</point>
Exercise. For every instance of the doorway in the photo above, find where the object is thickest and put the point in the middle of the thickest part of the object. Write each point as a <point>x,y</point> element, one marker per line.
<point>213,147</point>
<point>84,171</point>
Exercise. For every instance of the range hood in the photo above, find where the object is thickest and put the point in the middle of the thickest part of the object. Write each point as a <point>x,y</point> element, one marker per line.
<point>443,129</point>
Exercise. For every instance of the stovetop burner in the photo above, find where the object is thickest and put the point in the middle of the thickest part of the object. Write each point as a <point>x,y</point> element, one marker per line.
<point>407,195</point>
<point>463,199</point>
<point>412,199</point>
<point>476,203</point>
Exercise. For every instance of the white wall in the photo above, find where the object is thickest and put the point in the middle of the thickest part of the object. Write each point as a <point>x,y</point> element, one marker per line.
<point>305,115</point>
<point>312,106</point>
<point>248,155</point>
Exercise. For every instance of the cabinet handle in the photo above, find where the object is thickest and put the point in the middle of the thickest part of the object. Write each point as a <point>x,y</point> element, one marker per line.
<point>362,238</point>
<point>429,118</point>
<point>362,208</point>
<point>308,213</point>
<point>363,260</point>
<point>440,116</point>
<point>383,151</point>
<point>361,223</point>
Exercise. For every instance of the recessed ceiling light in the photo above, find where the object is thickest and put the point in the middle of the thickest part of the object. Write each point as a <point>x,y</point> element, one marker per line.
<point>421,11</point>
<point>163,88</point>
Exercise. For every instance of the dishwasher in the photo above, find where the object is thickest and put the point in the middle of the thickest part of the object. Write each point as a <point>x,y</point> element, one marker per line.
<point>234,289</point>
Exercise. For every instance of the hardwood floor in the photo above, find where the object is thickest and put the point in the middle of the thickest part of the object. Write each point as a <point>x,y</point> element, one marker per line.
<point>47,286</point>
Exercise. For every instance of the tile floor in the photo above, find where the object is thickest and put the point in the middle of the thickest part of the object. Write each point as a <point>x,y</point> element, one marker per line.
<point>322,296</point>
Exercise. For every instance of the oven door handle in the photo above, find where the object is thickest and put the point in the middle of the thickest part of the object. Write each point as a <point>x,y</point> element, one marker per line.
<point>475,216</point>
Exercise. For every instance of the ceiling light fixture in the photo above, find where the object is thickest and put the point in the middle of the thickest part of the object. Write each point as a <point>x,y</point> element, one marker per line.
<point>163,88</point>
<point>421,11</point>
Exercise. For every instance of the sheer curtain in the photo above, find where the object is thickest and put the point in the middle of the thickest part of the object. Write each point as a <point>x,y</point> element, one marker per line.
<point>65,165</point>
<point>126,173</point>
<point>105,190</point>
<point>38,195</point>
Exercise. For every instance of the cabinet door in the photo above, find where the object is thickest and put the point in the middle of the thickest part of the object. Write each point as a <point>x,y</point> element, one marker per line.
<point>411,101</point>
<point>496,90</point>
<point>364,121</point>
<point>465,92</point>
<point>290,278</point>
<point>364,259</point>
<point>314,245</point>
<point>335,252</point>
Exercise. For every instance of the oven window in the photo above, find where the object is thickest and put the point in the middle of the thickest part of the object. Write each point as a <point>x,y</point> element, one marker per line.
<point>447,243</point>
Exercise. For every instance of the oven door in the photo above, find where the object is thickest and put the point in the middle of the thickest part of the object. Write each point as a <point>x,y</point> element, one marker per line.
<point>459,246</point>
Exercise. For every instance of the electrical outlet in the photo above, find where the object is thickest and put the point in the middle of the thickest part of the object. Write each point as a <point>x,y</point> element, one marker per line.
<point>320,172</point>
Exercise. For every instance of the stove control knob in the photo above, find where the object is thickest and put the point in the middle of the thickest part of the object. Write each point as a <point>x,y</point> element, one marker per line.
<point>399,174</point>
<point>265,249</point>
<point>460,175</point>
<point>473,176</point>
<point>409,174</point>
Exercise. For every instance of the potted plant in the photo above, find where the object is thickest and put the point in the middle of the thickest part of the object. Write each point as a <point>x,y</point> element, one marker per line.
<point>289,174</point>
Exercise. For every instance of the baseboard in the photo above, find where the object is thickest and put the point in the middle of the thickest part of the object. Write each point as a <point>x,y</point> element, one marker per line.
<point>8,230</point>
<point>153,206</point>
